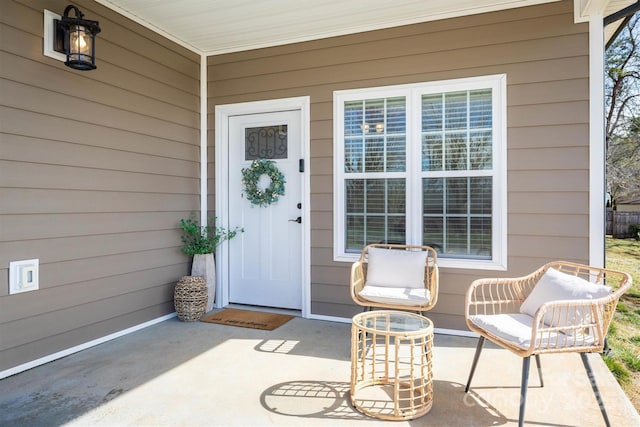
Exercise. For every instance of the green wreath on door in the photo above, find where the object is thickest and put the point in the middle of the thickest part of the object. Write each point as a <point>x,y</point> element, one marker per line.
<point>251,178</point>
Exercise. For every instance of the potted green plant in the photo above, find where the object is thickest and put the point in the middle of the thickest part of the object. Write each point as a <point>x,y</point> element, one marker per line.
<point>201,242</point>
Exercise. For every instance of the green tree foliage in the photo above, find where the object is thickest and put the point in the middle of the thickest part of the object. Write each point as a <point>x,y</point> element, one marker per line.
<point>622,101</point>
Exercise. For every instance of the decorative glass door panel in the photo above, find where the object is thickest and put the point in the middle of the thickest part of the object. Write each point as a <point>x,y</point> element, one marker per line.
<point>266,142</point>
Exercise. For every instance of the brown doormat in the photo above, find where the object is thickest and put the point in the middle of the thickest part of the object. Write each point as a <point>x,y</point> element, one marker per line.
<point>248,319</point>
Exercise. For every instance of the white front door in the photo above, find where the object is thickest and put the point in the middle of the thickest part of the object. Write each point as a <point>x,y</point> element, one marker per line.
<point>265,262</point>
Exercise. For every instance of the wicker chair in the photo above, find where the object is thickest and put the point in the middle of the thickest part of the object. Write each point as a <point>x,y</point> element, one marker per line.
<point>560,308</point>
<point>392,276</point>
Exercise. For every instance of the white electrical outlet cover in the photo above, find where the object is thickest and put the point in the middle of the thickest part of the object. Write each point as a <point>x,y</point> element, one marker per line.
<point>23,276</point>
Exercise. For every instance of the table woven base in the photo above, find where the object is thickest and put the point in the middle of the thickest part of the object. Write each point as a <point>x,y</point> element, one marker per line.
<point>374,399</point>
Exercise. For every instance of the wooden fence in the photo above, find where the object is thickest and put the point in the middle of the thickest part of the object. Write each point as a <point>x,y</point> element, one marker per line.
<point>618,223</point>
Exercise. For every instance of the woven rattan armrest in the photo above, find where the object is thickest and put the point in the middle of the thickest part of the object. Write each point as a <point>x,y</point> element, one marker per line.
<point>499,295</point>
<point>357,278</point>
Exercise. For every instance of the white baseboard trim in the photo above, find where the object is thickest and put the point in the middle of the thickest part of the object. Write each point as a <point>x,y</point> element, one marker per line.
<point>442,331</point>
<point>46,359</point>
<point>329,318</point>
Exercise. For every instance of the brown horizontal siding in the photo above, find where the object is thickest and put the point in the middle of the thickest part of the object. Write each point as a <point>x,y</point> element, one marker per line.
<point>556,136</point>
<point>569,203</point>
<point>47,226</point>
<point>46,151</point>
<point>559,180</point>
<point>545,57</point>
<point>105,288</point>
<point>562,159</point>
<point>20,123</point>
<point>84,333</point>
<point>97,245</point>
<point>557,225</point>
<point>35,175</point>
<point>99,167</point>
<point>23,96</point>
<point>497,29</point>
<point>88,270</point>
<point>27,201</point>
<point>344,310</point>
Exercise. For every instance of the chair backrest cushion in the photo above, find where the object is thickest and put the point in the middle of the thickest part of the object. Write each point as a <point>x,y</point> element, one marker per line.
<point>396,268</point>
<point>555,285</point>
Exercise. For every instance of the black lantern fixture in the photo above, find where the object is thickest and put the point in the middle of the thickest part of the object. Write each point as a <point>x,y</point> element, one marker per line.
<point>76,37</point>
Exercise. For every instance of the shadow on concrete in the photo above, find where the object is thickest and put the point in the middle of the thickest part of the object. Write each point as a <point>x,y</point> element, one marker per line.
<point>331,401</point>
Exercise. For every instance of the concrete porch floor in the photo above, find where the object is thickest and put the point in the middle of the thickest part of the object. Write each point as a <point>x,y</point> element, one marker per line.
<point>201,374</point>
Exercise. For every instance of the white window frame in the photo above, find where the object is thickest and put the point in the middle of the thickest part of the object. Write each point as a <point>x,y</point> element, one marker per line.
<point>413,94</point>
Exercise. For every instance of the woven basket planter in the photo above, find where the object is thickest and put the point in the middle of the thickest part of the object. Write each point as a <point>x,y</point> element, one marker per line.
<point>190,298</point>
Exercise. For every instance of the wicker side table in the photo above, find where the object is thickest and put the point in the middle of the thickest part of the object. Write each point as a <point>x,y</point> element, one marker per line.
<point>190,298</point>
<point>391,364</point>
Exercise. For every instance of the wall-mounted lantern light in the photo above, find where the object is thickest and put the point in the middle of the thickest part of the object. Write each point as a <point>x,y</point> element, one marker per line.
<point>76,38</point>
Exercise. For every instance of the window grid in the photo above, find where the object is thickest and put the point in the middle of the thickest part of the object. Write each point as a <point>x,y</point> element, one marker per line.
<point>446,128</point>
<point>375,157</point>
<point>474,220</point>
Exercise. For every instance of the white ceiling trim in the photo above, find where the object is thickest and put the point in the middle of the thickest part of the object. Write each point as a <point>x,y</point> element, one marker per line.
<point>192,24</point>
<point>585,9</point>
<point>149,25</point>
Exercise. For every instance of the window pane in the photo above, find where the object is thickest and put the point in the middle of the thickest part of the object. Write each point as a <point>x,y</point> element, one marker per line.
<point>375,211</point>
<point>375,196</point>
<point>433,200</point>
<point>455,110</point>
<point>375,230</point>
<point>432,152</point>
<point>480,195</point>
<point>432,113</point>
<point>373,115</point>
<point>353,144</point>
<point>480,112</point>
<point>456,236</point>
<point>396,196</point>
<point>397,230</point>
<point>457,216</point>
<point>374,154</point>
<point>354,196</point>
<point>433,233</point>
<point>455,146</point>
<point>353,154</point>
<point>355,234</point>
<point>396,153</point>
<point>353,118</point>
<point>457,191</point>
<point>396,115</point>
<point>481,237</point>
<point>480,155</point>
<point>375,135</point>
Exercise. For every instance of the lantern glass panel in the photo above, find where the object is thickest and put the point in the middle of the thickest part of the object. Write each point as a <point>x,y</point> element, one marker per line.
<point>80,40</point>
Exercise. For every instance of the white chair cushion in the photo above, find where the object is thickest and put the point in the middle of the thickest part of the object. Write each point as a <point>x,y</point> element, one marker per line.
<point>515,328</point>
<point>394,268</point>
<point>555,285</point>
<point>397,296</point>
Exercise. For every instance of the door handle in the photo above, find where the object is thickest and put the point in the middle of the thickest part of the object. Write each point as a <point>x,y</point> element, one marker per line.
<point>298,220</point>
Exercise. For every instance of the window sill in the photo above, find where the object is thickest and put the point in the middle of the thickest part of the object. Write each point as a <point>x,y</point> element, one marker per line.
<point>462,264</point>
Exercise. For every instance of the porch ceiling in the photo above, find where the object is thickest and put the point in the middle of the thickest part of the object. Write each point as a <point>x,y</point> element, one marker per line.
<point>212,27</point>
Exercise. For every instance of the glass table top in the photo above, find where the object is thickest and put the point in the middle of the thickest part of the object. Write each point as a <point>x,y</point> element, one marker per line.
<point>392,321</point>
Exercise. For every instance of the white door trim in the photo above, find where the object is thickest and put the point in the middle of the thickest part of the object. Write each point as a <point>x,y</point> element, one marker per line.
<point>222,114</point>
